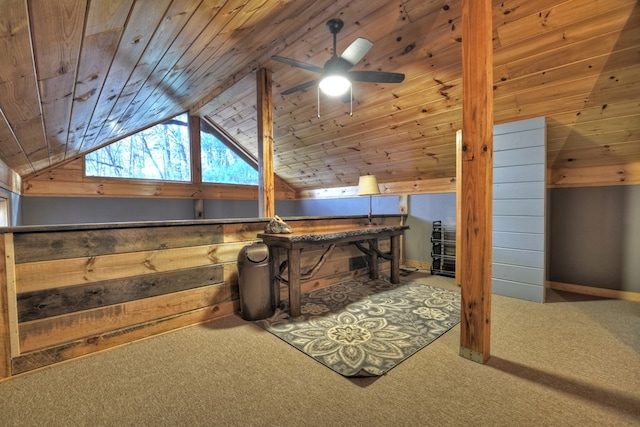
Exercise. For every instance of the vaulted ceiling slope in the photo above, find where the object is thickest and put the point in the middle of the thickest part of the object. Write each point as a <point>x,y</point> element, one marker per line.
<point>78,74</point>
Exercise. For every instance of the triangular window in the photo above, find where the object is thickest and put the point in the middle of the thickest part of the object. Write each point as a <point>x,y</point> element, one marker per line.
<point>223,162</point>
<point>162,152</point>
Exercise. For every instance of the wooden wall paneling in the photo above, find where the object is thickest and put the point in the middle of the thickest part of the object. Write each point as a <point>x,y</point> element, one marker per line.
<point>40,275</point>
<point>58,301</point>
<point>158,103</point>
<point>437,185</point>
<point>141,25</point>
<point>9,179</point>
<point>12,154</point>
<point>59,353</point>
<point>104,27</point>
<point>53,245</point>
<point>246,231</point>
<point>20,103</point>
<point>250,25</point>
<point>311,12</point>
<point>615,154</point>
<point>69,181</point>
<point>178,15</point>
<point>612,138</point>
<point>56,60</point>
<point>608,21</point>
<point>628,174</point>
<point>96,187</point>
<point>147,94</point>
<point>558,15</point>
<point>48,332</point>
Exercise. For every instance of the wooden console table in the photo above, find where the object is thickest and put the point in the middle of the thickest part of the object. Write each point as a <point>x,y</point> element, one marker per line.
<point>294,244</point>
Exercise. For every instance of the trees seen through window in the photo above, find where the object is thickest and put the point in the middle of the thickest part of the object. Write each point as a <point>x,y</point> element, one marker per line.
<point>162,152</point>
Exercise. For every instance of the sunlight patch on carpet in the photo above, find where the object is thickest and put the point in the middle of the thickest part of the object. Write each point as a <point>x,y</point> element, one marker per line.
<point>365,328</point>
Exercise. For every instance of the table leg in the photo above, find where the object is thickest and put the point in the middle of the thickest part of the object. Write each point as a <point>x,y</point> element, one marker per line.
<point>395,260</point>
<point>294,282</point>
<point>373,259</point>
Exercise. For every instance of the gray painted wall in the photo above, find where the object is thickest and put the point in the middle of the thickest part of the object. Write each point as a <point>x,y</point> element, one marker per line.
<point>595,237</point>
<point>424,209</point>
<point>84,210</point>
<point>349,206</point>
<point>519,167</point>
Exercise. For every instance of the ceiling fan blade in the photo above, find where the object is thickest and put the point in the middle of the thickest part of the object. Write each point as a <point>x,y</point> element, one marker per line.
<point>356,51</point>
<point>375,76</point>
<point>299,87</point>
<point>298,64</point>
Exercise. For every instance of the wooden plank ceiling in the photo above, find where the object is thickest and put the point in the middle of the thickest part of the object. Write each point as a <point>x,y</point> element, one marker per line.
<point>76,75</point>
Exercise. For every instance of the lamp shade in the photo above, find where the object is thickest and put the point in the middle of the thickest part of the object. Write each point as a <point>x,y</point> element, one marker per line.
<point>335,85</point>
<point>368,185</point>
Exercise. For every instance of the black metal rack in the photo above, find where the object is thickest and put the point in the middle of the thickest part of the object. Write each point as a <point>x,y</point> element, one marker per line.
<point>443,250</point>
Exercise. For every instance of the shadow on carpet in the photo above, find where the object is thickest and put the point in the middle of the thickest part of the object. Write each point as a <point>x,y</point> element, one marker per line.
<point>365,328</point>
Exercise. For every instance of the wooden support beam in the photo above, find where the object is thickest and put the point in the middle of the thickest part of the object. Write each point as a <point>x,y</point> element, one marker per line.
<point>266,193</point>
<point>5,330</point>
<point>476,179</point>
<point>196,163</point>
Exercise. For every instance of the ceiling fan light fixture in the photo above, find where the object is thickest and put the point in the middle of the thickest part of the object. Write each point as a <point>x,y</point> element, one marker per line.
<point>334,85</point>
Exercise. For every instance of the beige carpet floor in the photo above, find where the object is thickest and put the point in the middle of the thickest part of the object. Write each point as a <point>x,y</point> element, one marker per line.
<point>571,362</point>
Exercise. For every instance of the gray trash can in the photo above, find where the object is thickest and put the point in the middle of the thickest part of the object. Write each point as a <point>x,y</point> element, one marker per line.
<point>255,280</point>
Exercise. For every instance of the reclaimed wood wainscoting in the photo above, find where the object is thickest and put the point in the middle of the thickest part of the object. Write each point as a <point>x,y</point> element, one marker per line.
<point>68,291</point>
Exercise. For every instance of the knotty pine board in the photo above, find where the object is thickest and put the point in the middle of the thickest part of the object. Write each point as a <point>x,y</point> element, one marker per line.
<point>43,333</point>
<point>40,275</point>
<point>60,353</point>
<point>53,245</point>
<point>58,301</point>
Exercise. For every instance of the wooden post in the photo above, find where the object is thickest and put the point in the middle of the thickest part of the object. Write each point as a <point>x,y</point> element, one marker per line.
<point>196,163</point>
<point>5,330</point>
<point>458,208</point>
<point>266,192</point>
<point>476,179</point>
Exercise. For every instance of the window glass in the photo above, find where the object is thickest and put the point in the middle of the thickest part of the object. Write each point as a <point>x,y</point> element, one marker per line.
<point>160,152</point>
<point>221,164</point>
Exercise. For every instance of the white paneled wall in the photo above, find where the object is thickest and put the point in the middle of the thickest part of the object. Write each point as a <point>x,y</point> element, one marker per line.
<point>519,189</point>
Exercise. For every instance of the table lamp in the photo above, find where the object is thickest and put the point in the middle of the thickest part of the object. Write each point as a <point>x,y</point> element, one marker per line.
<point>368,186</point>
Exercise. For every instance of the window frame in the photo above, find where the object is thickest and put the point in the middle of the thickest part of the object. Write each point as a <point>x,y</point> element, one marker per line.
<point>205,126</point>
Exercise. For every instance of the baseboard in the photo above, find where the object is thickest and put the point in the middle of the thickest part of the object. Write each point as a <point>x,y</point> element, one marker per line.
<point>590,290</point>
<point>417,264</point>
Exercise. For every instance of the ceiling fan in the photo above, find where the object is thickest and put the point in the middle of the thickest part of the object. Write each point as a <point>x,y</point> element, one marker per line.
<point>336,78</point>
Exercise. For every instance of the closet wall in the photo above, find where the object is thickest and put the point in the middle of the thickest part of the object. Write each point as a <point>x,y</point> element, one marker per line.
<point>519,195</point>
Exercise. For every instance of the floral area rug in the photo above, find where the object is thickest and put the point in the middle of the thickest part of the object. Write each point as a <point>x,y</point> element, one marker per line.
<point>365,328</point>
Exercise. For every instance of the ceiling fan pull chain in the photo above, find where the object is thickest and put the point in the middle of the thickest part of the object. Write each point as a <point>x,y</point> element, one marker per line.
<point>351,112</point>
<point>318,101</point>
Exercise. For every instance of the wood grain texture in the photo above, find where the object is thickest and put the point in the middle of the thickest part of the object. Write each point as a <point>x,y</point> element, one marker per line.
<point>82,74</point>
<point>58,301</point>
<point>43,333</point>
<point>5,328</point>
<point>41,275</point>
<point>476,180</point>
<point>60,353</point>
<point>266,197</point>
<point>34,247</point>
